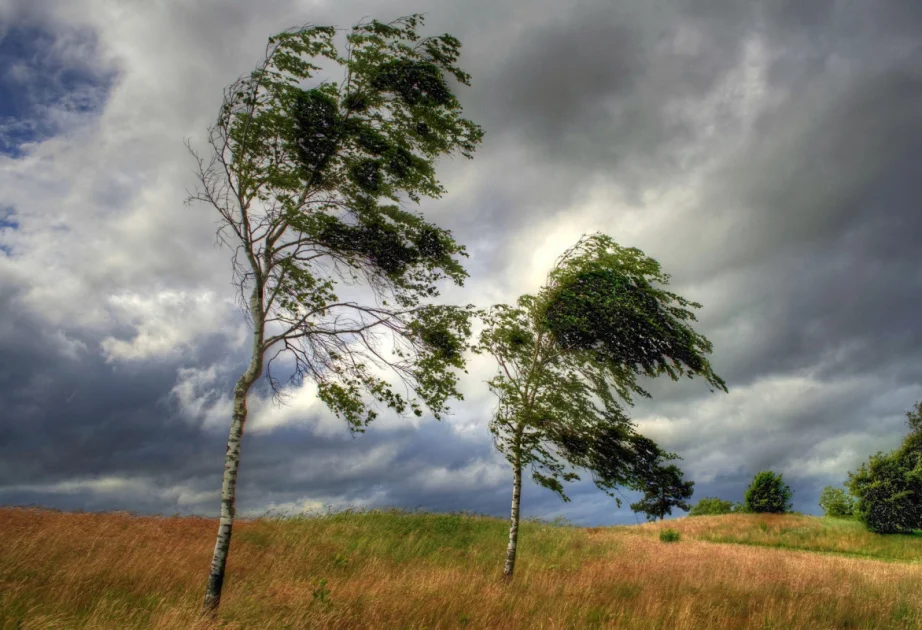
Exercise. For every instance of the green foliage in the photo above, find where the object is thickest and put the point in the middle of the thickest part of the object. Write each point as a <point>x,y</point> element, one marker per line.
<point>768,493</point>
<point>836,503</point>
<point>309,180</point>
<point>558,410</point>
<point>602,302</point>
<point>888,494</point>
<point>711,506</point>
<point>888,487</point>
<point>669,535</point>
<point>321,593</point>
<point>664,489</point>
<point>914,419</point>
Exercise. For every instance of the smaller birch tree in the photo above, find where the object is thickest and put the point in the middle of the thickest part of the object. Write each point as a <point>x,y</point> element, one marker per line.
<point>568,356</point>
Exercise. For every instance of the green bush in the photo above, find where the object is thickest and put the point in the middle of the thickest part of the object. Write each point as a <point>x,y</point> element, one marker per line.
<point>888,492</point>
<point>669,535</point>
<point>710,506</point>
<point>888,487</point>
<point>768,493</point>
<point>837,503</point>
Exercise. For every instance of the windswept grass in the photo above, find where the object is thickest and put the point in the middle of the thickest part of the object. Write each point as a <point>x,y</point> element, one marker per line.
<point>414,571</point>
<point>809,533</point>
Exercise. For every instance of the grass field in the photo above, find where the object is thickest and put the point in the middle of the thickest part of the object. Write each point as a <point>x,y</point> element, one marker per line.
<point>413,571</point>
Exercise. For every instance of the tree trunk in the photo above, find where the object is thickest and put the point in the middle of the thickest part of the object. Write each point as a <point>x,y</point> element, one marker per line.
<point>514,520</point>
<point>232,458</point>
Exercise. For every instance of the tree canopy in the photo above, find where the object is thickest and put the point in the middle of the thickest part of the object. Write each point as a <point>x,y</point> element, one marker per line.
<point>664,488</point>
<point>768,493</point>
<point>569,354</point>
<point>836,503</point>
<point>310,181</point>
<point>888,487</point>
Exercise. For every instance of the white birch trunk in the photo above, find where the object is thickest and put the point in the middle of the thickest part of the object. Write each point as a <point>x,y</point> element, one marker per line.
<point>232,457</point>
<point>514,520</point>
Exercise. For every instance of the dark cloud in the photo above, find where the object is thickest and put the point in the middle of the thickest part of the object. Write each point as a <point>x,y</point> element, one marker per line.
<point>557,83</point>
<point>768,153</point>
<point>589,92</point>
<point>70,414</point>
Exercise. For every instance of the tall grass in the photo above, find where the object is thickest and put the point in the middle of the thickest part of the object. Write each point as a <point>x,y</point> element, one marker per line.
<point>810,533</point>
<point>396,570</point>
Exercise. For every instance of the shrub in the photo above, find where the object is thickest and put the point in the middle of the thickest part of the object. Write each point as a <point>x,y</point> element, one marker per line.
<point>837,503</point>
<point>888,487</point>
<point>888,500</point>
<point>710,506</point>
<point>768,493</point>
<point>669,535</point>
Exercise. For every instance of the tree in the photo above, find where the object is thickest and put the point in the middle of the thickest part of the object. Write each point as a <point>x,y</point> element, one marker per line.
<point>888,487</point>
<point>308,184</point>
<point>768,493</point>
<point>886,502</point>
<point>664,489</point>
<point>914,419</point>
<point>711,506</point>
<point>567,355</point>
<point>836,503</point>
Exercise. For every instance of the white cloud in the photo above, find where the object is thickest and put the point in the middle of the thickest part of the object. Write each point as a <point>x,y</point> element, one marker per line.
<point>124,488</point>
<point>166,324</point>
<point>199,397</point>
<point>475,475</point>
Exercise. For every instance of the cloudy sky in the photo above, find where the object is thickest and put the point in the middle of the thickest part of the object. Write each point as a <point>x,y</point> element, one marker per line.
<point>768,154</point>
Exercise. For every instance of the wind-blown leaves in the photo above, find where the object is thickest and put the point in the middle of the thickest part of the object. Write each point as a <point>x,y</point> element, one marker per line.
<point>312,181</point>
<point>570,355</point>
<point>602,300</point>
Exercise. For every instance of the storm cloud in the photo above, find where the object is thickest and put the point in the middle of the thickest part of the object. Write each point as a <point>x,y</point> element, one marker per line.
<point>768,154</point>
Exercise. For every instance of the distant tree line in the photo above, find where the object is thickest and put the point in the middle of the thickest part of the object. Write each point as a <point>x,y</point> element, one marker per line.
<point>884,494</point>
<point>766,494</point>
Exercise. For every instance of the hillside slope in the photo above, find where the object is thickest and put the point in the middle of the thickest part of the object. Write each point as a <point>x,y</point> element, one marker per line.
<point>395,570</point>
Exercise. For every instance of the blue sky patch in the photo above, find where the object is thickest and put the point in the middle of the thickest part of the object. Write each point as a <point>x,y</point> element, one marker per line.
<point>47,78</point>
<point>8,223</point>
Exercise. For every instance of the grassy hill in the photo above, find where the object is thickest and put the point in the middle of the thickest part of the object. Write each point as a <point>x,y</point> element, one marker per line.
<point>395,570</point>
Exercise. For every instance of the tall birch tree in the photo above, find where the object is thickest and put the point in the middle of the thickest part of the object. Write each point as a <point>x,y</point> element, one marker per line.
<point>310,184</point>
<point>570,355</point>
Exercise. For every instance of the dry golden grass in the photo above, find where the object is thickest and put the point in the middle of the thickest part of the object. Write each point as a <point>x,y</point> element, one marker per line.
<point>391,570</point>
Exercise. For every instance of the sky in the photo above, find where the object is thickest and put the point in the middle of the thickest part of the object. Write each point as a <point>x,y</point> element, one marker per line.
<point>768,154</point>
